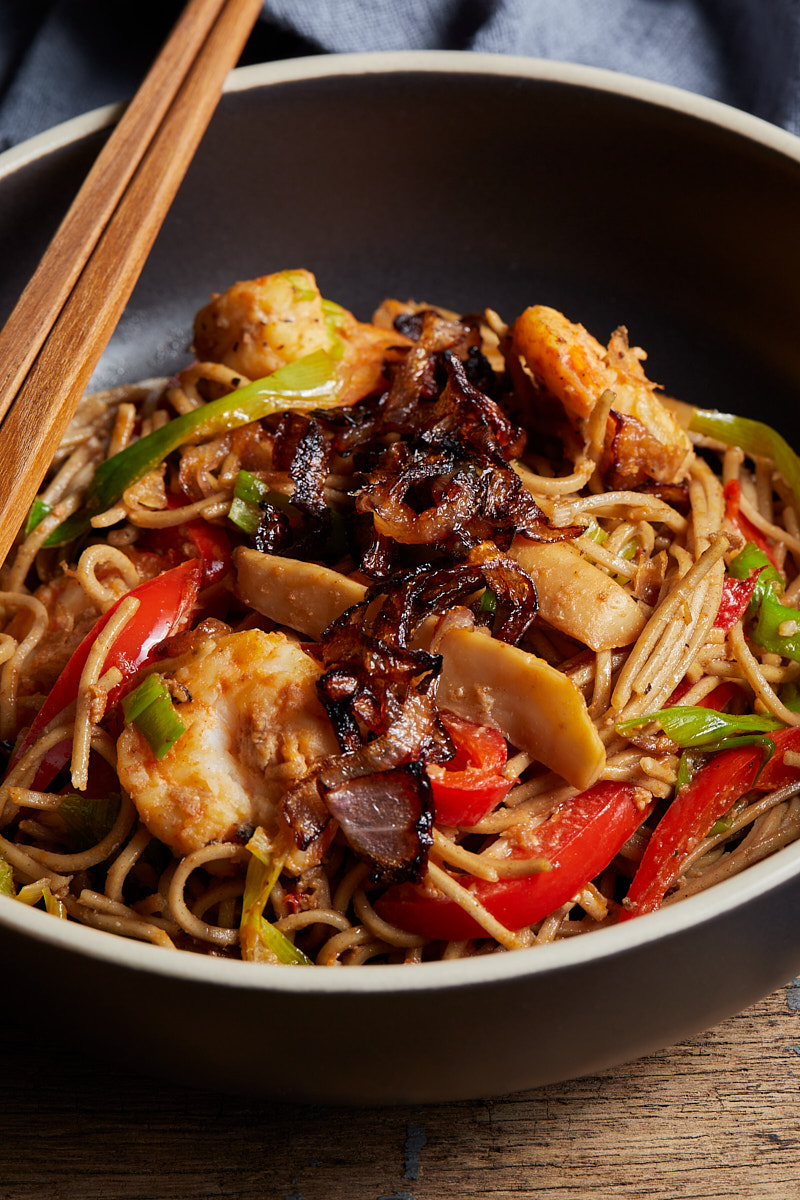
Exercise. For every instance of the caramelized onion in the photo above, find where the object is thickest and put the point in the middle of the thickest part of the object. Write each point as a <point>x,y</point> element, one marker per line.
<point>387,818</point>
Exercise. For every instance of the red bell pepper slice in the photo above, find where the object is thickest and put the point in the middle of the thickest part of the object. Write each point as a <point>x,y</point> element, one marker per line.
<point>776,772</point>
<point>213,546</point>
<point>722,694</point>
<point>706,798</point>
<point>471,784</point>
<point>736,595</point>
<point>579,841</point>
<point>194,539</point>
<point>732,493</point>
<point>165,608</point>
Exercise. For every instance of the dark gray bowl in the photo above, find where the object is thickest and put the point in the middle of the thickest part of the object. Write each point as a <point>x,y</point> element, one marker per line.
<point>465,180</point>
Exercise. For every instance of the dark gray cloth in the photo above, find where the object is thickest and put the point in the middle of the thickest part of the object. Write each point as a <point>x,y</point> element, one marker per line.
<point>59,58</point>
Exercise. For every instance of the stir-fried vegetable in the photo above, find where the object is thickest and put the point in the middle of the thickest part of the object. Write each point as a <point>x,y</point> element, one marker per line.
<point>777,627</point>
<point>306,382</point>
<point>754,437</point>
<point>149,707</point>
<point>472,783</point>
<point>6,878</point>
<point>736,596</point>
<point>578,842</point>
<point>703,800</point>
<point>249,496</point>
<point>698,727</point>
<point>773,625</point>
<point>261,941</point>
<point>754,565</point>
<point>165,608</point>
<point>192,539</point>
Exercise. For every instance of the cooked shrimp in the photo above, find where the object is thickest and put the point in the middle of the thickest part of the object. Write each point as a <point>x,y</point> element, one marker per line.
<point>253,727</point>
<point>262,324</point>
<point>577,370</point>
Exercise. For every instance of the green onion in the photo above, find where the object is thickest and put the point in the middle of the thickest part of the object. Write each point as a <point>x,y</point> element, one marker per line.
<point>686,769</point>
<point>149,707</point>
<point>38,511</point>
<point>488,602</point>
<point>88,820</point>
<point>334,316</point>
<point>55,907</point>
<point>260,941</point>
<point>693,726</point>
<point>772,617</point>
<point>297,279</point>
<point>594,533</point>
<point>244,516</point>
<point>754,437</point>
<point>310,381</point>
<point>33,893</point>
<point>766,614</point>
<point>790,696</point>
<point>250,496</point>
<point>750,559</point>
<point>722,825</point>
<point>250,488</point>
<point>6,878</point>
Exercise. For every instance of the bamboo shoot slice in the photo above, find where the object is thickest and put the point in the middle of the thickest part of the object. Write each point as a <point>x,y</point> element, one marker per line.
<point>576,597</point>
<point>537,708</point>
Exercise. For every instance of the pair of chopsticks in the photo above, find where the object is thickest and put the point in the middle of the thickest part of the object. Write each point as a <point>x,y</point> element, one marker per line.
<point>61,324</point>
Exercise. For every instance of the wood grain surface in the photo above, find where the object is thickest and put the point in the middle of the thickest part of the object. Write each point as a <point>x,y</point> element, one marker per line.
<point>716,1117</point>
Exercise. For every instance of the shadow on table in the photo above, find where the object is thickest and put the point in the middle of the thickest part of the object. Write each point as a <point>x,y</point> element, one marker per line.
<point>76,1130</point>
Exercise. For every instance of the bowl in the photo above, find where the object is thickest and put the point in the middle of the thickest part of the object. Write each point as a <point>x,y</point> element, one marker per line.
<point>464,180</point>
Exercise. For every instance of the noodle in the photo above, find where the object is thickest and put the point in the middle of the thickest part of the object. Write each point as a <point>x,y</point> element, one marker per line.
<point>357,669</point>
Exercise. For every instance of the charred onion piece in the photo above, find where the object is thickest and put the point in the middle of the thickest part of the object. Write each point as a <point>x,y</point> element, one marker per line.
<point>409,599</point>
<point>449,484</point>
<point>440,502</point>
<point>301,449</point>
<point>305,811</point>
<point>379,793</point>
<point>387,818</point>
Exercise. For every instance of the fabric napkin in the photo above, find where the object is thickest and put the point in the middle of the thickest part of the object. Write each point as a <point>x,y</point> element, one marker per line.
<point>60,58</point>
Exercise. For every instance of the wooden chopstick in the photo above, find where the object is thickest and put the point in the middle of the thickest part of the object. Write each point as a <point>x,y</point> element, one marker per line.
<point>80,289</point>
<point>65,258</point>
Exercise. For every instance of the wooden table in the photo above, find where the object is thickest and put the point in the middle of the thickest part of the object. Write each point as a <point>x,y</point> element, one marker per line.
<point>716,1117</point>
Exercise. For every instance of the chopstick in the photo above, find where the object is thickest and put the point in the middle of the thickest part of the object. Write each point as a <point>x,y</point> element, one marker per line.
<point>61,324</point>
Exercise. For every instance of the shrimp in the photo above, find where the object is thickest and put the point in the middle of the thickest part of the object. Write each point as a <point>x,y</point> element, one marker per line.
<point>262,324</point>
<point>577,370</point>
<point>253,726</point>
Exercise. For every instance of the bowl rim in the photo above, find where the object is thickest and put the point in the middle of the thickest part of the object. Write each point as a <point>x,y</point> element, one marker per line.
<point>779,869</point>
<point>450,62</point>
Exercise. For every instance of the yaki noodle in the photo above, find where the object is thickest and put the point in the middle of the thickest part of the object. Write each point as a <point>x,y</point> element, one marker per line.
<point>394,641</point>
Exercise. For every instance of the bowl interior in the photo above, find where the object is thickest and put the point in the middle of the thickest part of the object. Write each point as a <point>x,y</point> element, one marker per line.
<point>468,182</point>
<point>472,187</point>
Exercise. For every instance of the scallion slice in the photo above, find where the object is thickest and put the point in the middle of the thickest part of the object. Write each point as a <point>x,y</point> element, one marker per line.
<point>149,707</point>
<point>310,381</point>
